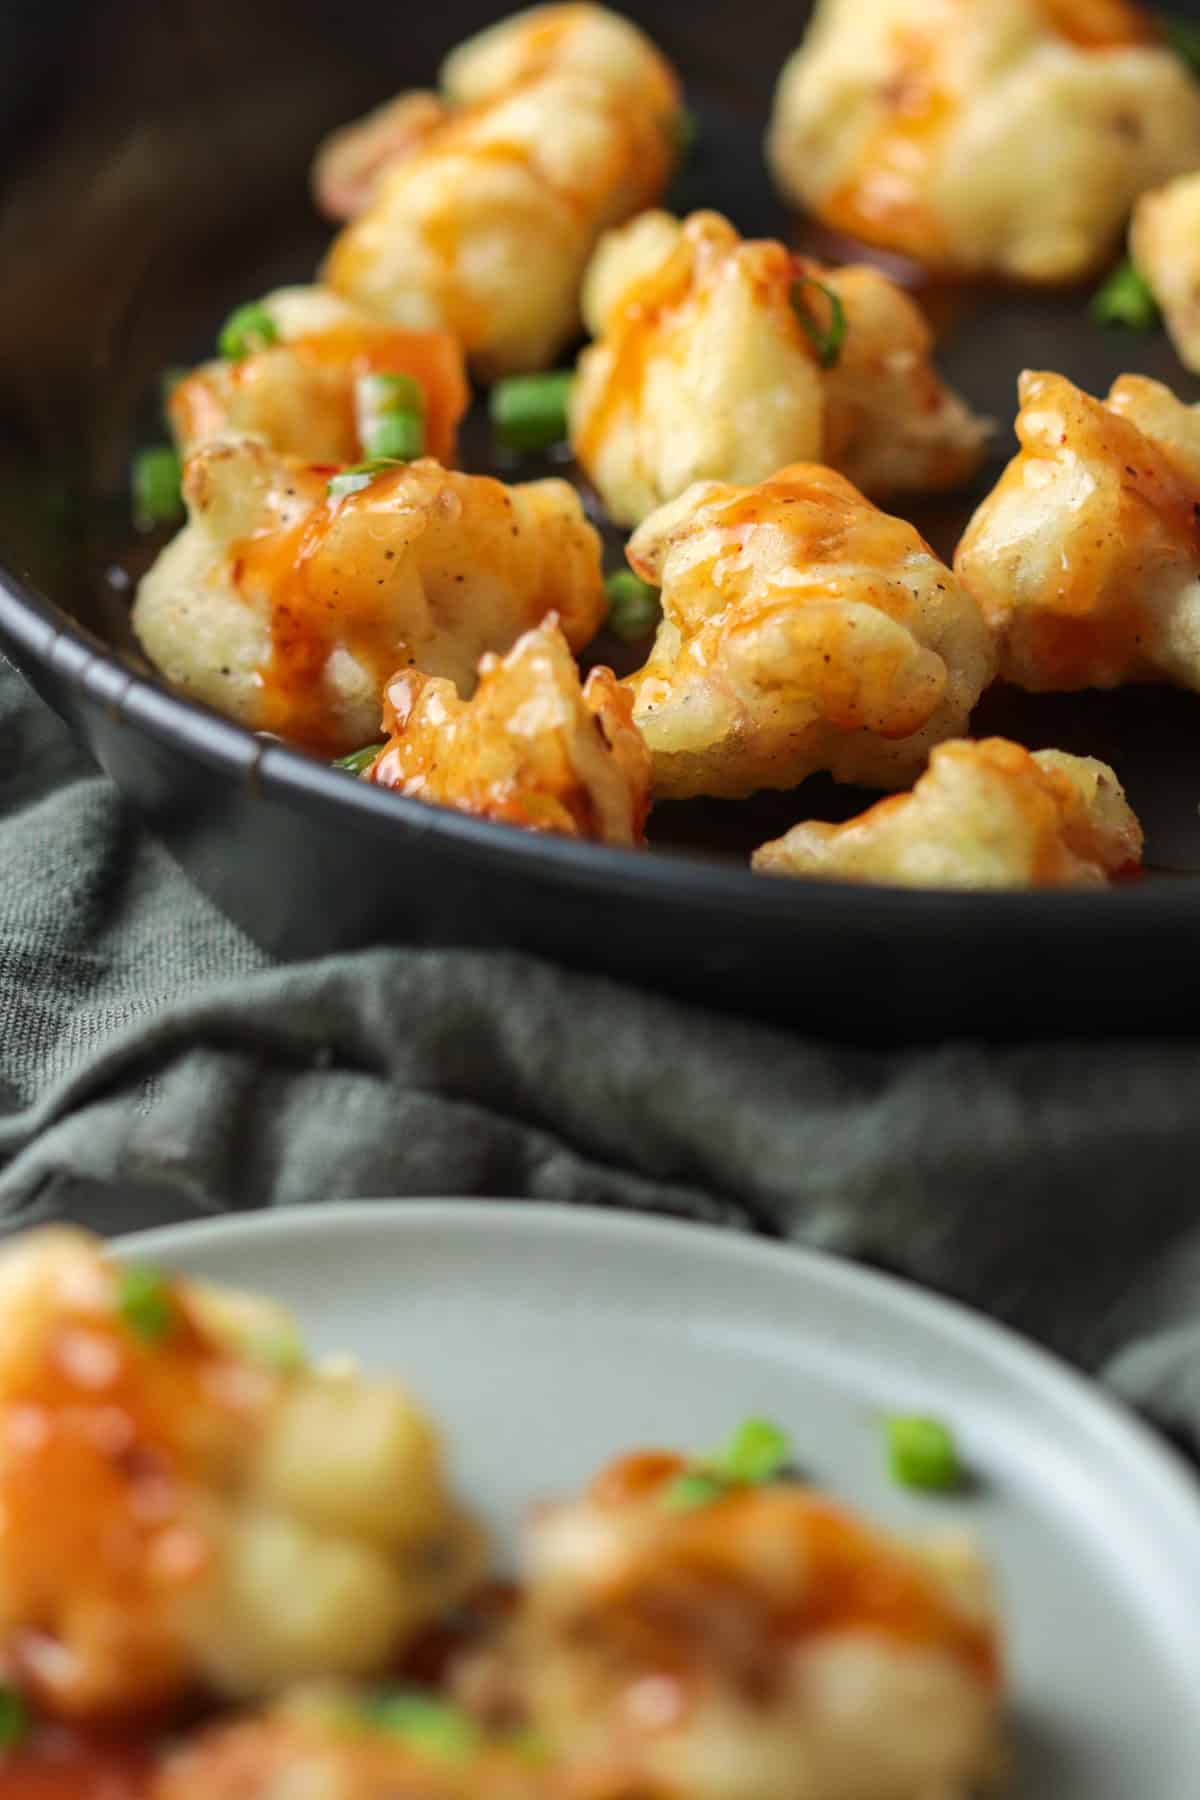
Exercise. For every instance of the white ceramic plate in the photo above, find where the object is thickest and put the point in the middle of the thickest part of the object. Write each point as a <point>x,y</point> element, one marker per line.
<point>547,1338</point>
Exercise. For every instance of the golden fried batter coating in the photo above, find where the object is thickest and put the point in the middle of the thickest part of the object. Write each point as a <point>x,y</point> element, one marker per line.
<point>185,1504</point>
<point>1086,556</point>
<point>802,629</point>
<point>481,217</point>
<point>1003,136</point>
<point>328,1745</point>
<point>298,394</point>
<point>983,815</point>
<point>289,610</point>
<point>763,1646</point>
<point>703,371</point>
<point>1165,244</point>
<point>532,747</point>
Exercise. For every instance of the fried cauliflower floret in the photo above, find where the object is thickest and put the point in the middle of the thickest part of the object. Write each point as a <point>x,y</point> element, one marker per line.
<point>1165,244</point>
<point>764,1645</point>
<point>329,1744</point>
<point>1001,136</point>
<point>288,610</point>
<point>1086,556</point>
<point>983,815</point>
<point>559,123</point>
<point>703,371</point>
<point>186,1505</point>
<point>802,629</point>
<point>299,393</point>
<point>533,747</point>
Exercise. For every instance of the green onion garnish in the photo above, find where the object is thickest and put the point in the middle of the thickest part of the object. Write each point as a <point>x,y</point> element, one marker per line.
<point>390,410</point>
<point>156,478</point>
<point>14,1718</point>
<point>361,475</point>
<point>757,1454</point>
<point>276,1350</point>
<point>144,1303</point>
<point>922,1453</point>
<point>248,328</point>
<point>429,1725</point>
<point>358,760</point>
<point>828,339</point>
<point>633,605</point>
<point>1183,36</point>
<point>1126,299</point>
<point>529,412</point>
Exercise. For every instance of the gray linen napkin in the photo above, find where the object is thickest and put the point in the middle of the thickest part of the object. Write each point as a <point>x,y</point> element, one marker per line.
<point>155,1065</point>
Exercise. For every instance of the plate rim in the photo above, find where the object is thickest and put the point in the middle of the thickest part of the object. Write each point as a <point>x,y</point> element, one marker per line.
<point>1165,1476</point>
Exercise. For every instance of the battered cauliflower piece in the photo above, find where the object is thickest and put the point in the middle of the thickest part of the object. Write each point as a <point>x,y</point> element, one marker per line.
<point>1009,137</point>
<point>186,1505</point>
<point>532,747</point>
<point>299,394</point>
<point>1165,244</point>
<point>1086,556</point>
<point>288,610</point>
<point>558,123</point>
<point>703,371</point>
<point>802,629</point>
<point>760,1645</point>
<point>332,1745</point>
<point>984,815</point>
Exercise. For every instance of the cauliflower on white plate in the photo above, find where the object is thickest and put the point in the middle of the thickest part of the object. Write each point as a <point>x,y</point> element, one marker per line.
<point>557,123</point>
<point>1086,556</point>
<point>288,606</point>
<point>718,359</point>
<point>983,815</point>
<point>802,629</point>
<point>704,1638</point>
<point>1008,137</point>
<point>186,1505</point>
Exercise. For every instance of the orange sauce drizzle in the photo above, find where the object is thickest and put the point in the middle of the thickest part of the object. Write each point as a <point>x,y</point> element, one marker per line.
<point>1101,24</point>
<point>314,608</point>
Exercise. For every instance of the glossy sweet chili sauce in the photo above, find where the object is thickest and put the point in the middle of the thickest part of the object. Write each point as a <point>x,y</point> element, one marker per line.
<point>854,1580</point>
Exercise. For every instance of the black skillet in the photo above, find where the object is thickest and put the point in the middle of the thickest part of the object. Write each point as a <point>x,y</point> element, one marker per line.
<point>155,162</point>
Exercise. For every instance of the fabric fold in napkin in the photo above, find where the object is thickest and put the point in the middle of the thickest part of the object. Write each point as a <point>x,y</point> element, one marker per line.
<point>155,1065</point>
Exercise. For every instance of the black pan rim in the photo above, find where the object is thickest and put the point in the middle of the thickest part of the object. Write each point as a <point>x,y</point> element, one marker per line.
<point>47,635</point>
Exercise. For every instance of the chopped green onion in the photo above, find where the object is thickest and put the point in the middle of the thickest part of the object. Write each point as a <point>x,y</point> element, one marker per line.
<point>692,1490</point>
<point>1126,299</point>
<point>433,1726</point>
<point>529,412</point>
<point>827,340</point>
<point>633,605</point>
<point>922,1453</point>
<point>360,475</point>
<point>358,760</point>
<point>754,1456</point>
<point>14,1718</point>
<point>248,328</point>
<point>756,1453</point>
<point>144,1303</point>
<point>1183,36</point>
<point>390,410</point>
<point>156,479</point>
